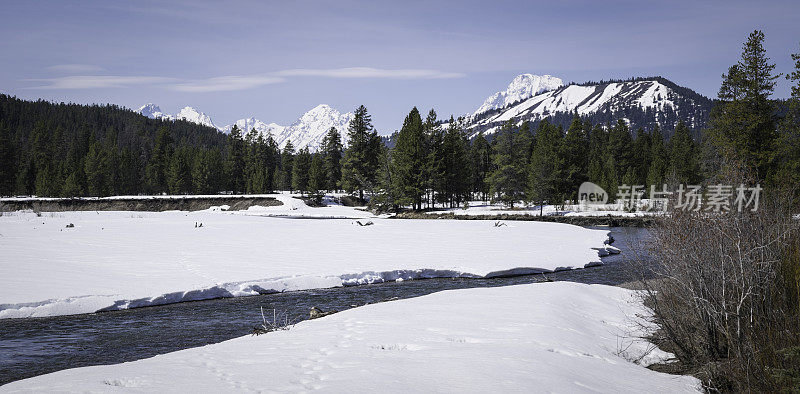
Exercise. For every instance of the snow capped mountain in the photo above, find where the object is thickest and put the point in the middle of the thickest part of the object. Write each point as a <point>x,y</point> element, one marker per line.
<point>643,102</point>
<point>190,114</point>
<point>310,129</point>
<point>153,111</point>
<point>522,87</point>
<point>245,125</point>
<point>307,131</point>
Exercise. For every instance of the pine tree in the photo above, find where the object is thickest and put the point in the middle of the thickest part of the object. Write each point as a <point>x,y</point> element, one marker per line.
<point>433,168</point>
<point>744,124</point>
<point>787,174</point>
<point>507,181</point>
<point>409,161</point>
<point>95,171</point>
<point>545,163</point>
<point>684,156</point>
<point>642,155</point>
<point>287,167</point>
<point>456,164</point>
<point>361,158</point>
<point>656,173</point>
<point>300,171</point>
<point>317,176</point>
<point>574,154</point>
<point>331,150</point>
<point>7,161</point>
<point>159,161</point>
<point>235,163</point>
<point>481,157</point>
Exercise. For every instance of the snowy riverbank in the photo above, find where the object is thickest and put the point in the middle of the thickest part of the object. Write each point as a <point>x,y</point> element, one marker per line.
<point>561,336</point>
<point>118,260</point>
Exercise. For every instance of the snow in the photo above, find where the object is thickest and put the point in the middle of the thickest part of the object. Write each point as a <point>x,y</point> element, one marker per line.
<point>190,114</point>
<point>522,87</point>
<point>118,260</point>
<point>478,208</point>
<point>549,337</point>
<point>245,125</point>
<point>586,100</point>
<point>153,111</point>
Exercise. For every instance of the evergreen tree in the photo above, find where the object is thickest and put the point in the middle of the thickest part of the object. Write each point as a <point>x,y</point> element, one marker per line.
<point>287,167</point>
<point>545,162</point>
<point>180,173</point>
<point>787,174</point>
<point>642,156</point>
<point>481,157</point>
<point>743,125</point>
<point>7,162</point>
<point>317,176</point>
<point>574,154</point>
<point>95,171</point>
<point>235,163</point>
<point>409,161</point>
<point>300,171</point>
<point>331,151</point>
<point>433,168</point>
<point>361,158</point>
<point>656,173</point>
<point>507,181</point>
<point>456,164</point>
<point>683,154</point>
<point>159,162</point>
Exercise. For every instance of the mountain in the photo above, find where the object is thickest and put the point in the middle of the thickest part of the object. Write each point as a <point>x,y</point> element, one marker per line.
<point>188,114</point>
<point>153,111</point>
<point>307,131</point>
<point>522,87</point>
<point>310,129</point>
<point>245,125</point>
<point>642,102</point>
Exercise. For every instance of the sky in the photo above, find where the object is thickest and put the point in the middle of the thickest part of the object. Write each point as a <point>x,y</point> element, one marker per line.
<point>274,60</point>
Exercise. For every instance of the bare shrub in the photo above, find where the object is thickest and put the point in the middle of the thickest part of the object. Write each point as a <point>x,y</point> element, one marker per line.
<point>280,321</point>
<point>726,294</point>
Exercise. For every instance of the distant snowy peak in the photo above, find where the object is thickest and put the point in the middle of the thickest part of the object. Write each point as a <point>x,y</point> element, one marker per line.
<point>310,129</point>
<point>153,111</point>
<point>245,125</point>
<point>190,114</point>
<point>656,101</point>
<point>522,87</point>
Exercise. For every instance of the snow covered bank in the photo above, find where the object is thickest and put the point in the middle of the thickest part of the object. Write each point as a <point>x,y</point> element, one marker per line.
<point>479,208</point>
<point>117,260</point>
<point>562,337</point>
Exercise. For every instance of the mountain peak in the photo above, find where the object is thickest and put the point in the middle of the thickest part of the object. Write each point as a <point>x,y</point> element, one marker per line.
<point>190,114</point>
<point>153,111</point>
<point>521,87</point>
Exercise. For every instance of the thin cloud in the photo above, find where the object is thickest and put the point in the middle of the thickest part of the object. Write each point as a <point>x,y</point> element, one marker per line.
<point>98,81</point>
<point>226,83</point>
<point>369,72</point>
<point>76,68</point>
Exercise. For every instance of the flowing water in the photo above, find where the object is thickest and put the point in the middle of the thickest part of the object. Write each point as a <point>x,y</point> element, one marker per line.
<point>35,346</point>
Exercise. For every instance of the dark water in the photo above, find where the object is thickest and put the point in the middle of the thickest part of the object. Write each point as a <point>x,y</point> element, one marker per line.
<point>35,346</point>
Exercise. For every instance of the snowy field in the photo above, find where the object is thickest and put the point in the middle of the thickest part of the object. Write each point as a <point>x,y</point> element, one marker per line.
<point>548,337</point>
<point>118,260</point>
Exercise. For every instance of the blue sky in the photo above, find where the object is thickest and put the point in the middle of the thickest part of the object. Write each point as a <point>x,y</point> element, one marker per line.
<point>275,60</point>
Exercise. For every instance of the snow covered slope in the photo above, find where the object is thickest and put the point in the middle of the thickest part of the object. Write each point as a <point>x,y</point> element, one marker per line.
<point>118,260</point>
<point>188,114</point>
<point>642,102</point>
<point>245,125</point>
<point>310,129</point>
<point>548,337</point>
<point>153,111</point>
<point>522,87</point>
